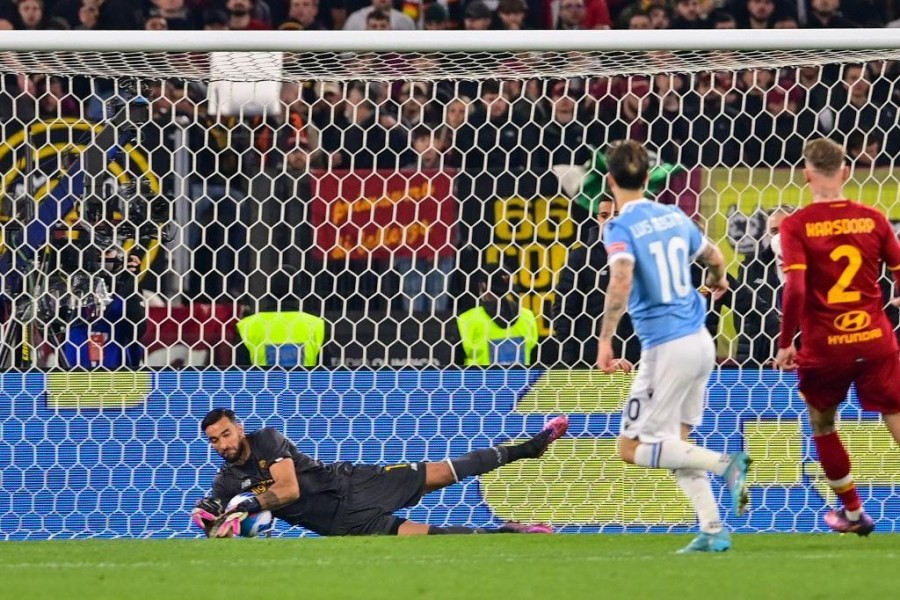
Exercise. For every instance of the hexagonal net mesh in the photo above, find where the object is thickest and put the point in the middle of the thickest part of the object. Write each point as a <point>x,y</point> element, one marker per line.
<point>345,211</point>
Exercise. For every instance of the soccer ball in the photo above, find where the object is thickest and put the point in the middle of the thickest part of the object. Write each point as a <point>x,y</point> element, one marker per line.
<point>255,524</point>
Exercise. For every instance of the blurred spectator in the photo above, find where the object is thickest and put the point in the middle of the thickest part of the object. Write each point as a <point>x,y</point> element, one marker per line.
<point>826,14</point>
<point>399,21</point>
<point>498,331</point>
<point>362,140</point>
<point>121,14</point>
<point>503,136</point>
<point>629,121</point>
<point>262,12</point>
<point>54,99</point>
<point>756,297</point>
<point>281,334</point>
<point>427,150</point>
<point>865,150</point>
<point>596,14</point>
<point>660,17</point>
<point>327,112</point>
<point>240,16</point>
<point>281,142</point>
<point>671,113</point>
<point>755,84</point>
<point>435,17</point>
<point>623,16</point>
<point>579,301</point>
<point>57,24</point>
<point>156,23</point>
<point>758,14</point>
<point>713,130</point>
<point>885,78</point>
<point>88,16</point>
<point>477,16</point>
<point>870,13</point>
<point>413,99</point>
<point>67,10</point>
<point>285,339</point>
<point>723,20</point>
<point>779,130</point>
<point>176,14</point>
<point>306,14</point>
<point>511,14</point>
<point>215,20</point>
<point>424,279</point>
<point>687,15</point>
<point>566,136</point>
<point>456,126</point>
<point>29,14</point>
<point>330,118</point>
<point>377,20</point>
<point>18,104</point>
<point>333,13</point>
<point>773,229</point>
<point>786,21</point>
<point>639,20</point>
<point>851,110</point>
<point>808,83</point>
<point>571,15</point>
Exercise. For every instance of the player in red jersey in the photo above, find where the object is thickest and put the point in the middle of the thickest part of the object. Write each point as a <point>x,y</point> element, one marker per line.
<point>833,252</point>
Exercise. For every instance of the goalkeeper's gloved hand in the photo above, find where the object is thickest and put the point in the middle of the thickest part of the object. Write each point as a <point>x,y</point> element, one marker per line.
<point>206,512</point>
<point>229,523</point>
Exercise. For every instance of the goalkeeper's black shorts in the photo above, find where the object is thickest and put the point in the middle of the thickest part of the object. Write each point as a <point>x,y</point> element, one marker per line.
<point>374,494</point>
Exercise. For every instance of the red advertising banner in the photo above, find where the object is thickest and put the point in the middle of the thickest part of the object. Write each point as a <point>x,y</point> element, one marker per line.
<point>379,214</point>
<point>196,335</point>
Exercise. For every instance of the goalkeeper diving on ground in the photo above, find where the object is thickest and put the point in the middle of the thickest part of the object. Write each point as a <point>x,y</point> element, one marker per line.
<point>341,498</point>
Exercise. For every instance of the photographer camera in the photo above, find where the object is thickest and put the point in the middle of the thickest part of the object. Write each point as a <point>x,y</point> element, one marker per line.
<point>73,247</point>
<point>91,308</point>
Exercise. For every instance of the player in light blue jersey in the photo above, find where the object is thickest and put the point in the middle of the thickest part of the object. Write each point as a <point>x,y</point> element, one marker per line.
<point>650,248</point>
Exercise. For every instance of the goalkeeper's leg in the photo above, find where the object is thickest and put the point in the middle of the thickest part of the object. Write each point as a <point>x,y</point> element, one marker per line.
<point>441,474</point>
<point>412,528</point>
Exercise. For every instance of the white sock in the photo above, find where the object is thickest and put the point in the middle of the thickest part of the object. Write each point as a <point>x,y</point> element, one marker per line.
<point>696,487</point>
<point>677,454</point>
<point>853,515</point>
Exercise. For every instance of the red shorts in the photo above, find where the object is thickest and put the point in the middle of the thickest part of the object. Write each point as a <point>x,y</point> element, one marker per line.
<point>877,384</point>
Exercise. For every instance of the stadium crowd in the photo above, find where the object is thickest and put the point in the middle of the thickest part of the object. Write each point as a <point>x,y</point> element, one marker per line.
<point>298,15</point>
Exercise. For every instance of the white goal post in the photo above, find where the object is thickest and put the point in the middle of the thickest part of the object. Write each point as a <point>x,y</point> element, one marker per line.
<point>95,52</point>
<point>380,184</point>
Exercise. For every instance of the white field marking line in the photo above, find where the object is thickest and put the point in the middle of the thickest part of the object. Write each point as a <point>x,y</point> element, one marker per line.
<point>392,559</point>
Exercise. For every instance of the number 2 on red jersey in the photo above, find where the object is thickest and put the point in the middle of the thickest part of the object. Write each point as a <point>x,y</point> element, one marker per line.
<point>838,293</point>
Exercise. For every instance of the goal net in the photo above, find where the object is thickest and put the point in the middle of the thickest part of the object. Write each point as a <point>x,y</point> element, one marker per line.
<point>163,197</point>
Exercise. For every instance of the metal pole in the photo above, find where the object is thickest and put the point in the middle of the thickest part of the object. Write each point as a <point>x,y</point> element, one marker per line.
<point>182,258</point>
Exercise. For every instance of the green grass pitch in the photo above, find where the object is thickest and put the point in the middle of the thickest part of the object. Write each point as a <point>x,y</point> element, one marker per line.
<point>498,567</point>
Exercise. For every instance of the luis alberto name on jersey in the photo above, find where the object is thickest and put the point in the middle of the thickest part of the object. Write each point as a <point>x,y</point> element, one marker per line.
<point>662,242</point>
